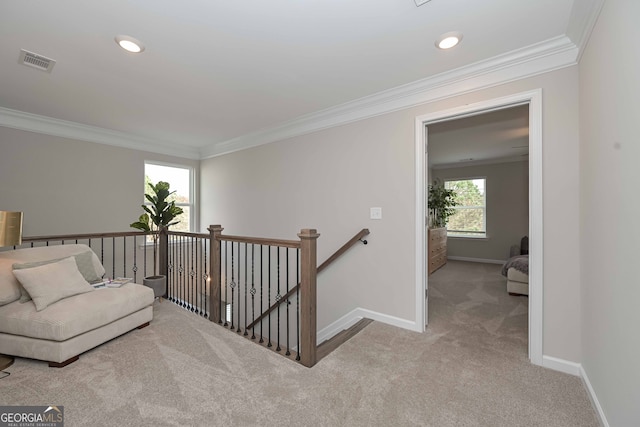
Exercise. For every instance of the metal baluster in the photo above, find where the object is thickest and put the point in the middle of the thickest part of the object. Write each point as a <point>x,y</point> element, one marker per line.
<point>180,271</point>
<point>170,269</point>
<point>124,256</point>
<point>144,250</point>
<point>238,283</point>
<point>269,292</point>
<point>101,250</point>
<point>253,291</point>
<point>176,263</point>
<point>287,302</point>
<point>278,296</point>
<point>192,300</point>
<point>196,278</point>
<point>261,291</point>
<point>204,279</point>
<point>134,268</point>
<point>196,281</point>
<point>183,279</point>
<point>226,281</point>
<point>298,302</point>
<point>245,290</point>
<point>205,276</point>
<point>176,282</point>
<point>113,257</point>
<point>232,284</point>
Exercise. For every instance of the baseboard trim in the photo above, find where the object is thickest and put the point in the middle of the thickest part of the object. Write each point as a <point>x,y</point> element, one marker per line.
<point>481,260</point>
<point>355,315</point>
<point>561,365</point>
<point>549,362</point>
<point>577,369</point>
<point>592,395</point>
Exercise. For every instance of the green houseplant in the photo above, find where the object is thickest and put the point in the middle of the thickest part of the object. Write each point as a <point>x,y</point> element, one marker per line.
<point>441,203</point>
<point>160,213</point>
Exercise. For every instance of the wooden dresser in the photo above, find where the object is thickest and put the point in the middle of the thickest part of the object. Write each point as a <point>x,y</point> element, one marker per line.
<point>437,248</point>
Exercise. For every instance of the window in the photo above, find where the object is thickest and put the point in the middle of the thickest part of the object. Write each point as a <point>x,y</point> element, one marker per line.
<point>180,179</point>
<point>470,218</point>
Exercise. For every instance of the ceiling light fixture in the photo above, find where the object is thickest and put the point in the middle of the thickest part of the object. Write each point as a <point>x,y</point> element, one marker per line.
<point>449,40</point>
<point>130,44</point>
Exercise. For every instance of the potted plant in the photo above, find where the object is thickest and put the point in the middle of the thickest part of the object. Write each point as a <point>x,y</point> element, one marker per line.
<point>160,214</point>
<point>441,203</point>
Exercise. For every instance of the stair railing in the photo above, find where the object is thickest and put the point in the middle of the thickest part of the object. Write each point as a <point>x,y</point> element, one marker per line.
<point>246,271</point>
<point>228,279</point>
<point>337,254</point>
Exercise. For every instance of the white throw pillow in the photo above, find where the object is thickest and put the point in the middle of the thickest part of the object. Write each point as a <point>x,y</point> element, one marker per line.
<point>50,283</point>
<point>84,261</point>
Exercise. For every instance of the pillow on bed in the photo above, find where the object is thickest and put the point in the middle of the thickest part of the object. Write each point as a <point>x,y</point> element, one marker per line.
<point>50,283</point>
<point>84,261</point>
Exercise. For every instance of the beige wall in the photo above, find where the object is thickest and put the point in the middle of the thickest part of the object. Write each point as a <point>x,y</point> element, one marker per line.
<point>66,186</point>
<point>326,180</point>
<point>609,153</point>
<point>329,179</point>
<point>507,198</point>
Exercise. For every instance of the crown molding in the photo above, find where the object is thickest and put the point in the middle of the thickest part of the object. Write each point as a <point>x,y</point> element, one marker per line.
<point>49,126</point>
<point>583,18</point>
<point>550,55</point>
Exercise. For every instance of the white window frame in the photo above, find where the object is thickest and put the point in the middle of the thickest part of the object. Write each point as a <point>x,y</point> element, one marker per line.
<point>193,215</point>
<point>465,234</point>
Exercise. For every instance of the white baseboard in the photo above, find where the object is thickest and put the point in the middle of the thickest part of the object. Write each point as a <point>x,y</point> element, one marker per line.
<point>561,365</point>
<point>484,261</point>
<point>592,395</point>
<point>354,316</point>
<point>550,362</point>
<point>576,369</point>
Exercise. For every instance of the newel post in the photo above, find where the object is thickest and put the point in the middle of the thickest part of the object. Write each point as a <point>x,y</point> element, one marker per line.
<point>214,275</point>
<point>163,256</point>
<point>308,315</point>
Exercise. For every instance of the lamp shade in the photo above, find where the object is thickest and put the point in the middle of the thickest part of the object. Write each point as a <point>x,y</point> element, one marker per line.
<point>10,228</point>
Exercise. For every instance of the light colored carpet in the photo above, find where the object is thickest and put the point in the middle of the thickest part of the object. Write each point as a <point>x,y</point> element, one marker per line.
<point>469,369</point>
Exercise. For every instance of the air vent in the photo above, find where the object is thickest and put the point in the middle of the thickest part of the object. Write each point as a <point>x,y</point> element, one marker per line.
<point>36,61</point>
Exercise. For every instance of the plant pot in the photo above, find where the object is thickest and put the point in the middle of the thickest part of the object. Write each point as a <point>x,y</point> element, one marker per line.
<point>157,283</point>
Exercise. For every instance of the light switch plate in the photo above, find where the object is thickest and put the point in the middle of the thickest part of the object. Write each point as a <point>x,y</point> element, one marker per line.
<point>375,213</point>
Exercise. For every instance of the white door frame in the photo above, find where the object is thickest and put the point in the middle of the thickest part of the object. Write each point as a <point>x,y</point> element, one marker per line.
<point>534,100</point>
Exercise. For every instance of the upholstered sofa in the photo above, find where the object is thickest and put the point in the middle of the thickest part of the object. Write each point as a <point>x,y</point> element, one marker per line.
<point>49,310</point>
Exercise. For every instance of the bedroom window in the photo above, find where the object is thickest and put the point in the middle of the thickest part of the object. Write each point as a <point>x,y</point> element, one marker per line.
<point>470,218</point>
<point>181,180</point>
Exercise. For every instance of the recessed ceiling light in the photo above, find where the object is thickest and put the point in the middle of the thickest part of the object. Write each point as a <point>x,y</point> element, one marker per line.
<point>449,40</point>
<point>130,44</point>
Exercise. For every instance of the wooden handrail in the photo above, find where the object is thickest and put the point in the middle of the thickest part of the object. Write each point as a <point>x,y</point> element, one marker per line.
<point>83,236</point>
<point>189,234</point>
<point>344,248</point>
<point>358,237</point>
<point>261,241</point>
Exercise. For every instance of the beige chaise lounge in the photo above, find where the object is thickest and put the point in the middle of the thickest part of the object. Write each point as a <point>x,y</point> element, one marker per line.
<point>68,327</point>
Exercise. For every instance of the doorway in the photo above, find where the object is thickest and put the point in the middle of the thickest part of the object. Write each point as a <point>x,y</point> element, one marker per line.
<point>534,101</point>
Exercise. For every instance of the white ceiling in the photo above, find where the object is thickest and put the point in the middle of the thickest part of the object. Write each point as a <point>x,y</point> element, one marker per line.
<point>215,71</point>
